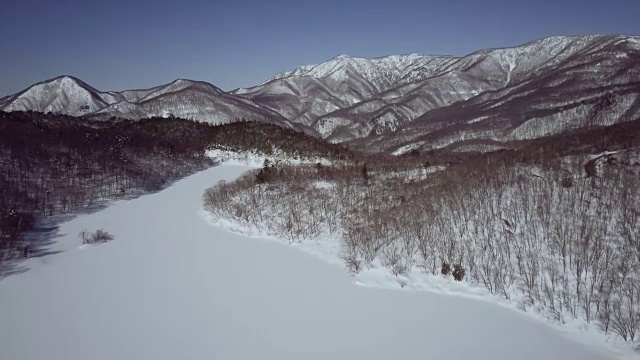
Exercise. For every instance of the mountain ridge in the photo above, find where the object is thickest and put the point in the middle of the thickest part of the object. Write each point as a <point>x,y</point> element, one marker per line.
<point>352,116</point>
<point>388,102</point>
<point>198,100</point>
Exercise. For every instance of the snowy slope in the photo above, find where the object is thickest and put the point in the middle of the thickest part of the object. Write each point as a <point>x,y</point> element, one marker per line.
<point>64,94</point>
<point>485,74</point>
<point>303,99</point>
<point>171,286</point>
<point>341,82</point>
<point>193,100</point>
<point>594,81</point>
<point>382,72</point>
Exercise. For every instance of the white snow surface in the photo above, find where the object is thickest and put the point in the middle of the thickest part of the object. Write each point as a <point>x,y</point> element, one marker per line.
<point>172,285</point>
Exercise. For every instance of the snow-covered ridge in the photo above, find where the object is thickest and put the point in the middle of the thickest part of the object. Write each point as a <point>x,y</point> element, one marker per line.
<point>348,95</point>
<point>350,98</point>
<point>189,99</point>
<point>393,65</point>
<point>400,66</point>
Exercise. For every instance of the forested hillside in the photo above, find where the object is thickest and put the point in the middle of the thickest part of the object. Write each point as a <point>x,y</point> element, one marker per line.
<point>552,226</point>
<point>52,164</point>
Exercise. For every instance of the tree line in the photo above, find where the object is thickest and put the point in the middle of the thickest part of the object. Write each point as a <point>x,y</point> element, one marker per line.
<point>52,164</point>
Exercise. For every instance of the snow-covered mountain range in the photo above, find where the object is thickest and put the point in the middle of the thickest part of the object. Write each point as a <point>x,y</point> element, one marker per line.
<point>181,98</point>
<point>311,91</point>
<point>400,102</point>
<point>573,83</point>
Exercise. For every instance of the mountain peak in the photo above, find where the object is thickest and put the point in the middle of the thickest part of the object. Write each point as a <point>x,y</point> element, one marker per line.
<point>342,56</point>
<point>62,94</point>
<point>64,81</point>
<point>61,78</point>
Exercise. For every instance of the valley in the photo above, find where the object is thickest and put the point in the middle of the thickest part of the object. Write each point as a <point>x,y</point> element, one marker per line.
<point>494,192</point>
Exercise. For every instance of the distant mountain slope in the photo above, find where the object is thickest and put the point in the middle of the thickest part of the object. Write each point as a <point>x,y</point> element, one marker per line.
<point>381,73</point>
<point>597,84</point>
<point>181,98</point>
<point>311,91</point>
<point>367,101</point>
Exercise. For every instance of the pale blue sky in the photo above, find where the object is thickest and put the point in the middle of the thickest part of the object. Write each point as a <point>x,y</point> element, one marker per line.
<point>116,45</point>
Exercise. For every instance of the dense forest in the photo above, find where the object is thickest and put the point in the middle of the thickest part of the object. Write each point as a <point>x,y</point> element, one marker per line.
<point>52,164</point>
<point>552,225</point>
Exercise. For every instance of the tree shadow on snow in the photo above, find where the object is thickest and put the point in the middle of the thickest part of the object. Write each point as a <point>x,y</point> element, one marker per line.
<point>38,244</point>
<point>11,267</point>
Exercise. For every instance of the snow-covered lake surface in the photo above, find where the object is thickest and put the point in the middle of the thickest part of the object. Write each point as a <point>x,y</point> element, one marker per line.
<point>172,286</point>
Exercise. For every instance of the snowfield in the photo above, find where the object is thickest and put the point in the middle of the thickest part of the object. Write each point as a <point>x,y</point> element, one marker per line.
<point>173,286</point>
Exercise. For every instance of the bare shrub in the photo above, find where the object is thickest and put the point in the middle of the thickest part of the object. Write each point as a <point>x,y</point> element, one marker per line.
<point>352,261</point>
<point>392,258</point>
<point>97,237</point>
<point>625,311</point>
<point>84,236</point>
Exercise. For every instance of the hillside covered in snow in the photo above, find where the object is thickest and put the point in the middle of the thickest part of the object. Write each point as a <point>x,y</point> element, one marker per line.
<point>172,285</point>
<point>550,228</point>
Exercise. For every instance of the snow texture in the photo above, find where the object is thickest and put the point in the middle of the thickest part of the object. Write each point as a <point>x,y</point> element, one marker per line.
<point>172,286</point>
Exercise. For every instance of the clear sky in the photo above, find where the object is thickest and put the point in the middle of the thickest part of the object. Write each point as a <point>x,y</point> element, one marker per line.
<point>117,45</point>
